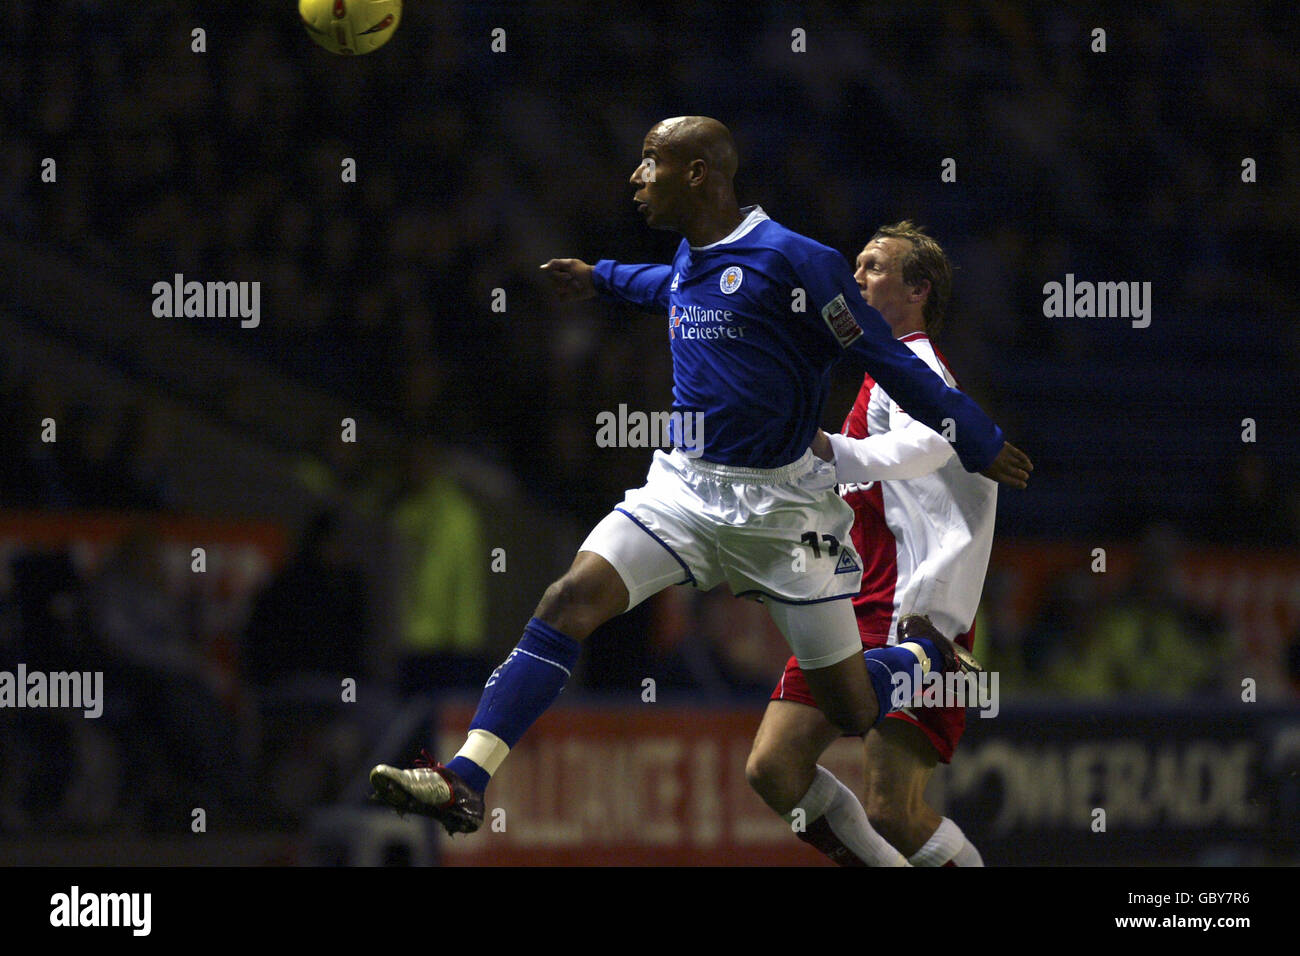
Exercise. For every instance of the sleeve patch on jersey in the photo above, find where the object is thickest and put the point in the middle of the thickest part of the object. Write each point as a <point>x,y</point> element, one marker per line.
<point>839,317</point>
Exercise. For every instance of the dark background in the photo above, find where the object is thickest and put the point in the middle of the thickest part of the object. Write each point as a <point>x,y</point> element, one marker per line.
<point>475,428</point>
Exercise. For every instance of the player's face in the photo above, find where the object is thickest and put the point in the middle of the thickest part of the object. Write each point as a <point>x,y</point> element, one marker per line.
<point>657,180</point>
<point>880,277</point>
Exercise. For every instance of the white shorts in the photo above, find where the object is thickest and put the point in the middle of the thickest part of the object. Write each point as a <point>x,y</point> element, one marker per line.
<point>778,535</point>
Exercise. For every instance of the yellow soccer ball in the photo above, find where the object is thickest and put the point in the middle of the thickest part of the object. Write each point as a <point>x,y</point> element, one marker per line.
<point>350,26</point>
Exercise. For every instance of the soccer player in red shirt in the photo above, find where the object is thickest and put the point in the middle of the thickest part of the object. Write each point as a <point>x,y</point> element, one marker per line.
<point>924,529</point>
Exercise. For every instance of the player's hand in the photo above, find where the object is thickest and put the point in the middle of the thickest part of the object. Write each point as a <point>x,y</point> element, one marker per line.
<point>570,279</point>
<point>1011,467</point>
<point>821,446</point>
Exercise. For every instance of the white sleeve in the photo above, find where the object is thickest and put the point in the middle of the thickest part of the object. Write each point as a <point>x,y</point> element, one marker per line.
<point>907,452</point>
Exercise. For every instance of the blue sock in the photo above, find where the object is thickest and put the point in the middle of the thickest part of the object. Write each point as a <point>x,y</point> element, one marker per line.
<point>470,772</point>
<point>520,691</point>
<point>884,662</point>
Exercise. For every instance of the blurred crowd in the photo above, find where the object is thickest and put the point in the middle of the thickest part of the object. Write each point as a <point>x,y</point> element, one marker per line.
<point>64,455</point>
<point>472,167</point>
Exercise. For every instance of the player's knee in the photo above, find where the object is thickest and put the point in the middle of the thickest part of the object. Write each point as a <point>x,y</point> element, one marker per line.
<point>575,604</point>
<point>758,770</point>
<point>774,776</point>
<point>764,774</point>
<point>562,602</point>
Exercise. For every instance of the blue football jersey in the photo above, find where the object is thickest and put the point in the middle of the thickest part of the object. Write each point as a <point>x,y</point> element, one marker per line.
<point>756,321</point>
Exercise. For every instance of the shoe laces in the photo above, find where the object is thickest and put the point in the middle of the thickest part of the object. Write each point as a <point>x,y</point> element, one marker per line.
<point>425,761</point>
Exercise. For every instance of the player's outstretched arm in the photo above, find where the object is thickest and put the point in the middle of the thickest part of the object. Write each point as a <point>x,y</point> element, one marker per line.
<point>645,286</point>
<point>570,279</point>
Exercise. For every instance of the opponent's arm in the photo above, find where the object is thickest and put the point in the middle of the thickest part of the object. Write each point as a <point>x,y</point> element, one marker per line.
<point>908,452</point>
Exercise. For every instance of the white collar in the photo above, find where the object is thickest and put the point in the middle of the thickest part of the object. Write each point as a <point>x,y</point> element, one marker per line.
<point>753,216</point>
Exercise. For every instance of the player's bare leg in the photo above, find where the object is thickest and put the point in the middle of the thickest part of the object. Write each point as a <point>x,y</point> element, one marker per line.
<point>831,658</point>
<point>844,693</point>
<point>618,566</point>
<point>586,596</point>
<point>783,760</point>
<point>899,761</point>
<point>782,765</point>
<point>589,594</point>
<point>851,695</point>
<point>823,812</point>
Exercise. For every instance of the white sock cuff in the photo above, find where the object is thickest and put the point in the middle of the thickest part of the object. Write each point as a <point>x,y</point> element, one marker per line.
<point>922,657</point>
<point>819,796</point>
<point>943,845</point>
<point>484,748</point>
<point>968,855</point>
<point>848,821</point>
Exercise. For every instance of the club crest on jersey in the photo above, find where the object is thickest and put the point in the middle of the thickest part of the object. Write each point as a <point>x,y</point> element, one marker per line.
<point>839,317</point>
<point>731,279</point>
<point>847,565</point>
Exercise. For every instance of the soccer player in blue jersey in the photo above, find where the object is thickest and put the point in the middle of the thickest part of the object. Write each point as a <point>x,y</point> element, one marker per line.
<point>757,316</point>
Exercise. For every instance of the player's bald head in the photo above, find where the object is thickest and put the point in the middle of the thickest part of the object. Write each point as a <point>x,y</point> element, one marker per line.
<point>688,138</point>
<point>684,181</point>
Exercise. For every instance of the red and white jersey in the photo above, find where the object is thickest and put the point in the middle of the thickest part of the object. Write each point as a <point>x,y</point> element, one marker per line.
<point>924,525</point>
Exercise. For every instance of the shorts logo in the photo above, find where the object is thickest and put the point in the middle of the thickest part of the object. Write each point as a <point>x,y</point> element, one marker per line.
<point>839,318</point>
<point>731,279</point>
<point>847,565</point>
<point>677,278</point>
